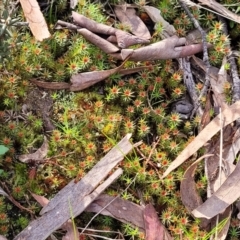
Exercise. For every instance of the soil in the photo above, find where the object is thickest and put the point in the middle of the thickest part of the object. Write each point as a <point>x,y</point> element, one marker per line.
<point>41,103</point>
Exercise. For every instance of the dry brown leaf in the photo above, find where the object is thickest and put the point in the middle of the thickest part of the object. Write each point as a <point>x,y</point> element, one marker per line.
<point>169,48</point>
<point>84,80</point>
<point>2,238</point>
<point>229,115</point>
<point>188,191</point>
<point>40,199</point>
<point>39,155</point>
<point>128,17</point>
<point>228,193</point>
<point>64,85</point>
<point>51,85</point>
<point>103,44</point>
<point>189,195</point>
<point>72,232</point>
<point>155,15</point>
<point>154,229</point>
<point>91,25</point>
<point>120,209</point>
<point>35,19</point>
<point>125,39</point>
<point>122,38</point>
<point>192,200</point>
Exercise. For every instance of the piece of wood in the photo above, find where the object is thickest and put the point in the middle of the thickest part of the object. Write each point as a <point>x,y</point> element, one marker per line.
<point>76,196</point>
<point>35,18</point>
<point>42,227</point>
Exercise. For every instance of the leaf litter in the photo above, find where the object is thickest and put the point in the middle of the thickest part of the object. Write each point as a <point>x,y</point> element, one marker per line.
<point>173,47</point>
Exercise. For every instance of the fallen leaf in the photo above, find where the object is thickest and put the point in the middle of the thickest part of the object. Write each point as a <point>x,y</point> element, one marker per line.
<point>51,85</point>
<point>192,200</point>
<point>120,209</point>
<point>103,44</point>
<point>155,15</point>
<point>189,195</point>
<point>2,238</point>
<point>228,193</point>
<point>92,25</point>
<point>154,229</point>
<point>64,85</point>
<point>128,17</point>
<point>72,232</point>
<point>39,155</point>
<point>166,49</point>
<point>229,115</point>
<point>35,18</point>
<point>40,199</point>
<point>125,39</point>
<point>81,81</point>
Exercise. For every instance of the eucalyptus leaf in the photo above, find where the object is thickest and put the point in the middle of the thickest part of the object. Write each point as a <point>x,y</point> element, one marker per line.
<point>3,149</point>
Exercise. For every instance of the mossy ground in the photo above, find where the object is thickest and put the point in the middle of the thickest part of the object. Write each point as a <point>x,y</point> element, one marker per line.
<point>89,123</point>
